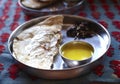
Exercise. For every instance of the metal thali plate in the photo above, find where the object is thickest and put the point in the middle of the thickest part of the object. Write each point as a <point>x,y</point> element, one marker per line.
<point>100,41</point>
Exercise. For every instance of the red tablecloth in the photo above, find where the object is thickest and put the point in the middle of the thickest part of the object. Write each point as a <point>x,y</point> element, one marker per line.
<point>106,12</point>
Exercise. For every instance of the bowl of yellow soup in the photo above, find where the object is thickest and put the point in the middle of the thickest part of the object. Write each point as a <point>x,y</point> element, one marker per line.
<point>76,53</point>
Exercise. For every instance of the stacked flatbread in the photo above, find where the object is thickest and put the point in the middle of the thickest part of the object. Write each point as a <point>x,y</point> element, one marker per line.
<point>37,3</point>
<point>38,45</point>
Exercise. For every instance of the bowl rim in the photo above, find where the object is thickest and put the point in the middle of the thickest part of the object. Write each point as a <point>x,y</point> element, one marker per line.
<point>38,10</point>
<point>46,16</point>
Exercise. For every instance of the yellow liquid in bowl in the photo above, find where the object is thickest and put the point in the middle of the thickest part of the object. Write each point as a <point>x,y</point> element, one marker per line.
<point>77,51</point>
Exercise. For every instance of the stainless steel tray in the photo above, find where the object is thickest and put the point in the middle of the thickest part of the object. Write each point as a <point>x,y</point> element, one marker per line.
<point>100,41</point>
<point>61,7</point>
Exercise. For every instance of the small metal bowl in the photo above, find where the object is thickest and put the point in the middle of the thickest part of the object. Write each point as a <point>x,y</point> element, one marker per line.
<point>64,7</point>
<point>80,53</point>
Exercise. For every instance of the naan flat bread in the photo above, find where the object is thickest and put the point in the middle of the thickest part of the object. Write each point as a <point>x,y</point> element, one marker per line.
<point>37,3</point>
<point>38,45</point>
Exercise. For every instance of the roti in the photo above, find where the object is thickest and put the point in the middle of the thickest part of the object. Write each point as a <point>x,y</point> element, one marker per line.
<point>38,45</point>
<point>37,4</point>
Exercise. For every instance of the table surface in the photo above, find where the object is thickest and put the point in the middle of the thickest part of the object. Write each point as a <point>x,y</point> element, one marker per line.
<point>106,12</point>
